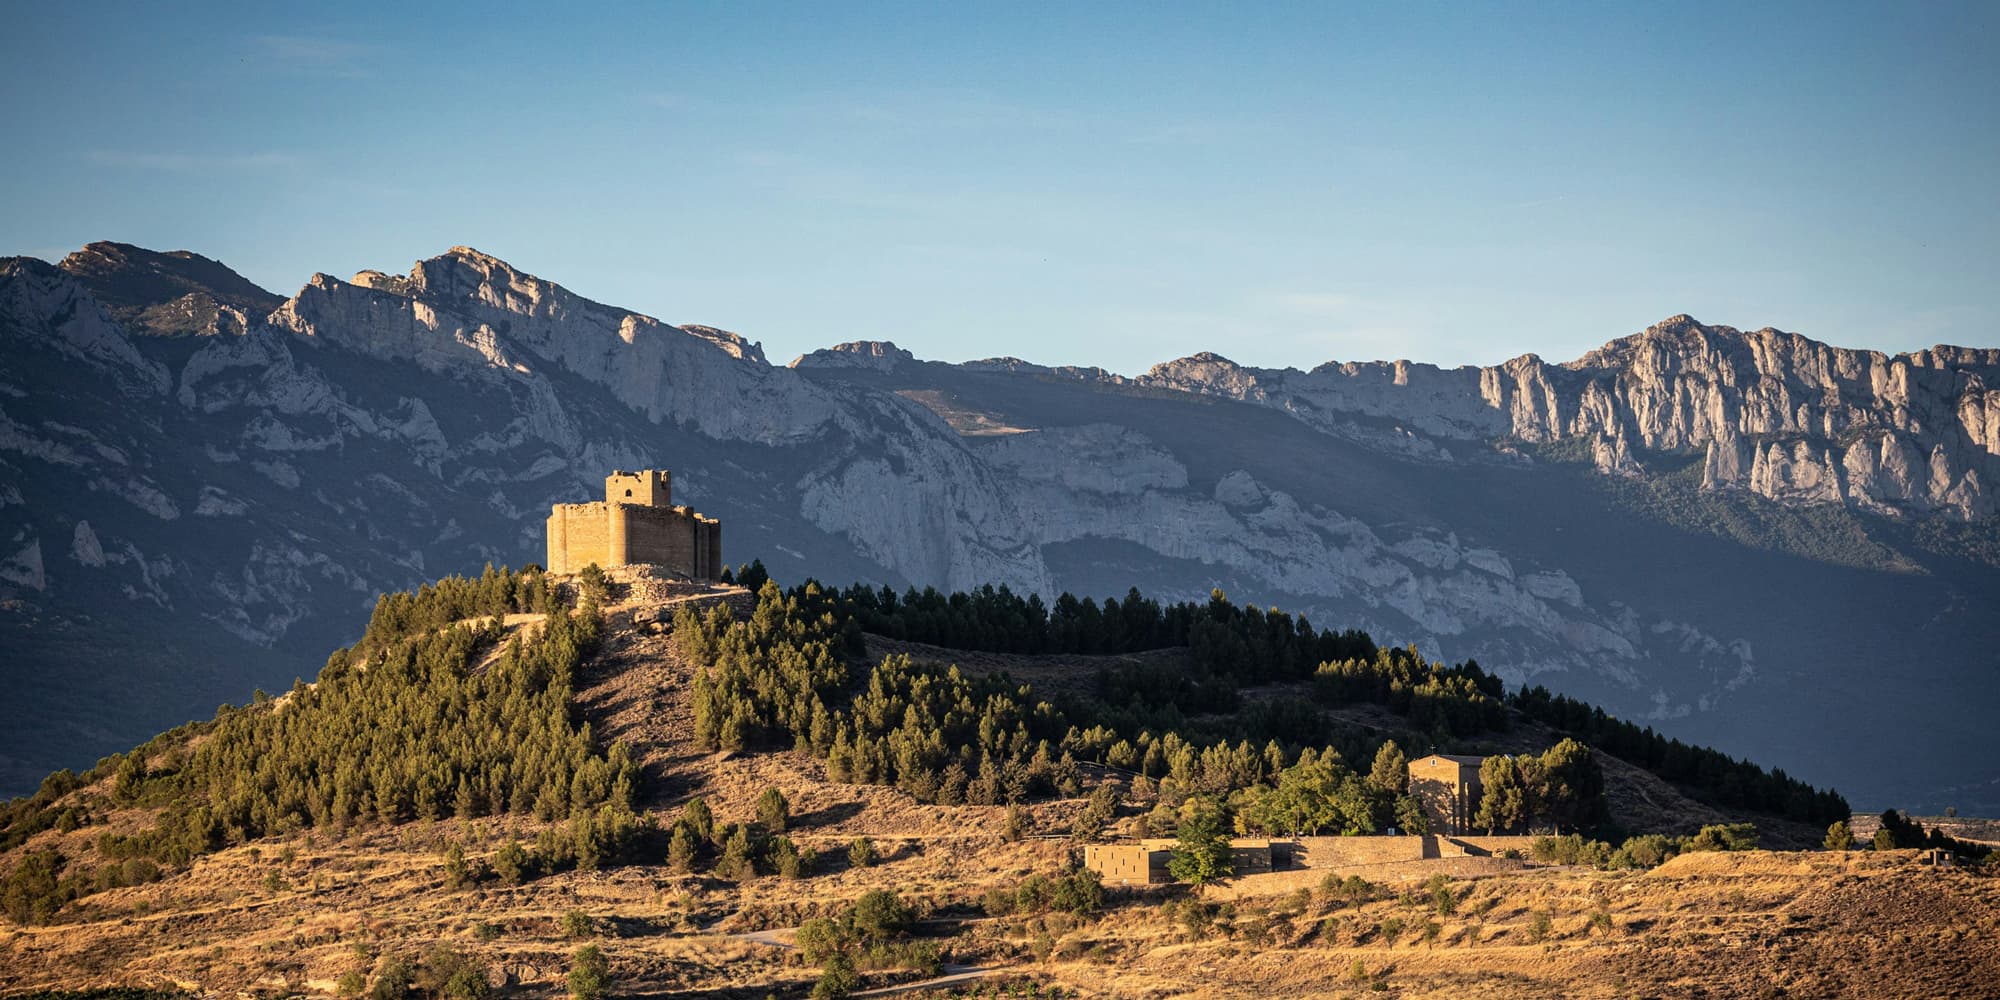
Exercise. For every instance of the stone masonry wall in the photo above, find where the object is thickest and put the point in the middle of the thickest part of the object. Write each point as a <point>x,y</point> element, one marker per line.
<point>579,534</point>
<point>1484,846</point>
<point>1337,852</point>
<point>664,536</point>
<point>611,535</point>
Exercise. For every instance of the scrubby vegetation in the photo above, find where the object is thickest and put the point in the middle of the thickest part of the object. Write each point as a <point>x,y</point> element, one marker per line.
<point>1708,775</point>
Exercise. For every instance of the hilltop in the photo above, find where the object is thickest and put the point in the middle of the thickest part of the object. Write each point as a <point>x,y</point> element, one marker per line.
<point>313,861</point>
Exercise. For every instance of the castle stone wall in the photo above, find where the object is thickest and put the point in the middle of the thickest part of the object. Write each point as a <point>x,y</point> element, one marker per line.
<point>660,535</point>
<point>579,534</point>
<point>635,525</point>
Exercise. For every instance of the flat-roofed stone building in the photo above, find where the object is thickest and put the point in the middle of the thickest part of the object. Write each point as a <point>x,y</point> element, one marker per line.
<point>1145,863</point>
<point>1128,864</point>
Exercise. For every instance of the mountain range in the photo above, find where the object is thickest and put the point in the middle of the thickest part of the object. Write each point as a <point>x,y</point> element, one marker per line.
<point>1749,539</point>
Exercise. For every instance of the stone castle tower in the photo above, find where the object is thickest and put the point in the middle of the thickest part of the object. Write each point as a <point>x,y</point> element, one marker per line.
<point>635,523</point>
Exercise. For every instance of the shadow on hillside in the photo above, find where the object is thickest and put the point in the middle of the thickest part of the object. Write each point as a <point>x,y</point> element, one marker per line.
<point>828,816</point>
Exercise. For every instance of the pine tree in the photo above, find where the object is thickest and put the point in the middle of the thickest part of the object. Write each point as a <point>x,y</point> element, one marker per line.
<point>1201,848</point>
<point>589,973</point>
<point>682,847</point>
<point>1390,774</point>
<point>773,811</point>
<point>1503,803</point>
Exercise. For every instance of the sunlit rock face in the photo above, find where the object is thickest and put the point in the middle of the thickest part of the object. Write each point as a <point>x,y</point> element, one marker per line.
<point>205,486</point>
<point>1773,413</point>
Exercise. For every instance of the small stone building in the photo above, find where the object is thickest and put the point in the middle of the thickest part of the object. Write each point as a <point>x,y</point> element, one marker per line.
<point>1447,786</point>
<point>636,523</point>
<point>1145,863</point>
<point>1128,864</point>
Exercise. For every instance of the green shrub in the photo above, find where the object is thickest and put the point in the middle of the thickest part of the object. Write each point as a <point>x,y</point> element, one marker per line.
<point>821,938</point>
<point>1442,898</point>
<point>1644,851</point>
<point>1571,849</point>
<point>589,973</point>
<point>784,858</point>
<point>880,913</point>
<point>1080,893</point>
<point>682,847</point>
<point>393,978</point>
<point>511,863</point>
<point>1724,837</point>
<point>861,852</point>
<point>773,811</point>
<point>837,979</point>
<point>449,973</point>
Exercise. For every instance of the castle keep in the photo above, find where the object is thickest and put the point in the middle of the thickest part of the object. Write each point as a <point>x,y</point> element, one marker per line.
<point>636,523</point>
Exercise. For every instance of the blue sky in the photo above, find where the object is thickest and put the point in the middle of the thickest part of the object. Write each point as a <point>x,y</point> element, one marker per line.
<point>1073,184</point>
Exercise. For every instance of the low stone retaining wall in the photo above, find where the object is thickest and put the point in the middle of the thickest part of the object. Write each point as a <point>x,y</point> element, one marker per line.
<point>1333,852</point>
<point>1484,846</point>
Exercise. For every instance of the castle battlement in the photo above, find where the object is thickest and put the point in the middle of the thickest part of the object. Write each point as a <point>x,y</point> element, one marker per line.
<point>636,522</point>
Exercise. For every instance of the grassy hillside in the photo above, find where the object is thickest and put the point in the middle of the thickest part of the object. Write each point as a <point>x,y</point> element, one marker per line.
<point>506,769</point>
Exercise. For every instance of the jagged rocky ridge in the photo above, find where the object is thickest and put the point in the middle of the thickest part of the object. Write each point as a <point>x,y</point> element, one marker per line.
<point>1773,413</point>
<point>206,488</point>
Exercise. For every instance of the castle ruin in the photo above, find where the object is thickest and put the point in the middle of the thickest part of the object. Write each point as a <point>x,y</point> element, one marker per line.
<point>636,523</point>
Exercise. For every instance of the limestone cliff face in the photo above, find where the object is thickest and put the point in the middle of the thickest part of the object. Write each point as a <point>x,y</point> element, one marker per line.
<point>465,309</point>
<point>1774,413</point>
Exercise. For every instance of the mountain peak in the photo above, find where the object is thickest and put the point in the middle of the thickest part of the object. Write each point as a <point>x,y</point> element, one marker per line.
<point>877,354</point>
<point>476,256</point>
<point>171,292</point>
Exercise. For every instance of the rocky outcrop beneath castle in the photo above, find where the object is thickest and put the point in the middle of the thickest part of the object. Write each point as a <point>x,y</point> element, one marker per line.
<point>1769,412</point>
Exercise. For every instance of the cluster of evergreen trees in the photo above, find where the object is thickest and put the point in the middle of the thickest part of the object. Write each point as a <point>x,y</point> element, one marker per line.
<point>1448,701</point>
<point>1241,642</point>
<point>422,719</point>
<point>945,737</point>
<point>1319,794</point>
<point>1231,647</point>
<point>1708,775</point>
<point>1560,787</point>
